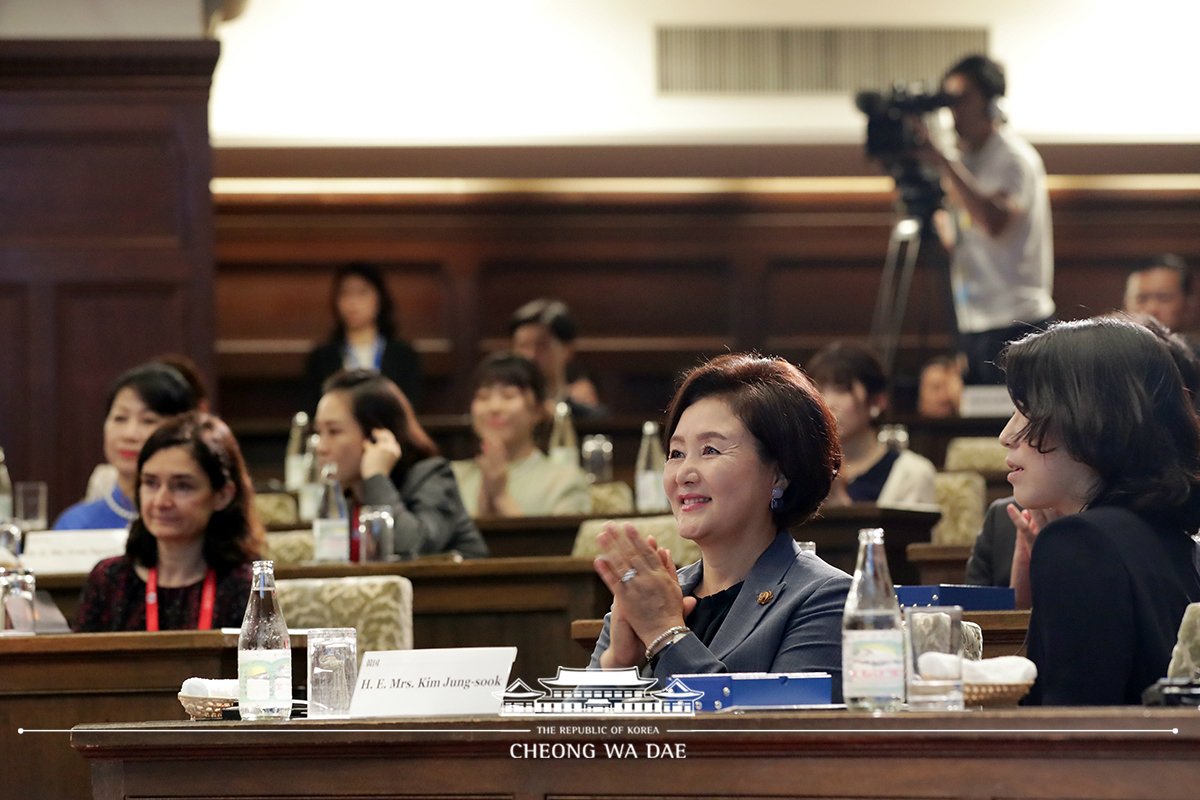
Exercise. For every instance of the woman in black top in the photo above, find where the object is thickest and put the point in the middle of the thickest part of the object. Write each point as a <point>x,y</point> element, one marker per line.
<point>364,336</point>
<point>187,561</point>
<point>1106,437</point>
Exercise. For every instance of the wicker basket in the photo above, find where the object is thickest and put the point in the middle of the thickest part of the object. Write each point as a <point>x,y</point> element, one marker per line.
<point>994,694</point>
<point>206,707</point>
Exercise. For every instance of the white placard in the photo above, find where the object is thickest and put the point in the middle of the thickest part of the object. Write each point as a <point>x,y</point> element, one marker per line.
<point>458,681</point>
<point>71,552</point>
<point>985,401</point>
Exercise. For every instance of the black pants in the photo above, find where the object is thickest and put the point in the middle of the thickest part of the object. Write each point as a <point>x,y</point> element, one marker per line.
<point>983,349</point>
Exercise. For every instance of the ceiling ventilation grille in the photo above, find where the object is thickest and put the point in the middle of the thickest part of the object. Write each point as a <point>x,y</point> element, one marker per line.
<point>756,61</point>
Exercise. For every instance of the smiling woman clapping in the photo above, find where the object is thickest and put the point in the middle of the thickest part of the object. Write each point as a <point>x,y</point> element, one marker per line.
<point>752,451</point>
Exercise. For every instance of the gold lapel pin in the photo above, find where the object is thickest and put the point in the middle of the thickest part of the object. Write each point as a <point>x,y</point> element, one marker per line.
<point>765,598</point>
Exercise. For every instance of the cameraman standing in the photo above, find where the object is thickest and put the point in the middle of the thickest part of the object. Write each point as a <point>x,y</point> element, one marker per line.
<point>998,225</point>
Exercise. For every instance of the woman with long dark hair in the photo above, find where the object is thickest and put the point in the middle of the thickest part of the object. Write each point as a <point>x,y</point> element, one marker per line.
<point>187,559</point>
<point>1106,438</point>
<point>383,457</point>
<point>364,336</point>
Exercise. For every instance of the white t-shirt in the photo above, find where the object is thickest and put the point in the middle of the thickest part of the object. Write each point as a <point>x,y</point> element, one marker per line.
<point>1005,280</point>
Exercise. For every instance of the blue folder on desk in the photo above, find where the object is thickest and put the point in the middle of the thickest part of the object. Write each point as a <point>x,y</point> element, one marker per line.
<point>971,598</point>
<point>724,689</point>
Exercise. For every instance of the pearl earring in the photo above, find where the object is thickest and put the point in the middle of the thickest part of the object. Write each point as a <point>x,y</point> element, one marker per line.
<point>776,498</point>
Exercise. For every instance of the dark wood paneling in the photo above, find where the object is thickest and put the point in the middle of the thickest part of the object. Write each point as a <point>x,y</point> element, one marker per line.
<point>104,329</point>
<point>105,236</point>
<point>665,161</point>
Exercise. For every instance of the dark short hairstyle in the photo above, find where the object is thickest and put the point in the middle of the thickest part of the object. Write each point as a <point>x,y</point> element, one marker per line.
<point>161,387</point>
<point>376,402</point>
<point>510,369</point>
<point>841,365</point>
<point>384,317</point>
<point>1168,261</point>
<point>1111,392</point>
<point>984,72</point>
<point>234,535</point>
<point>554,314</point>
<point>785,414</point>
<point>190,372</point>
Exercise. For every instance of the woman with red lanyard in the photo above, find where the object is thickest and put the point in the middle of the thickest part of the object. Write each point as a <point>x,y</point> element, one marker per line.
<point>187,562</point>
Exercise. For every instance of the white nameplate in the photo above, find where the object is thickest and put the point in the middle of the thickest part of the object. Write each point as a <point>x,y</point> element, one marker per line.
<point>71,552</point>
<point>458,681</point>
<point>985,401</point>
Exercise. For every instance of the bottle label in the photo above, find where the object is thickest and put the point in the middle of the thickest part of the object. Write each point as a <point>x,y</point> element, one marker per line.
<point>5,506</point>
<point>331,540</point>
<point>651,496</point>
<point>264,677</point>
<point>872,663</point>
<point>564,454</point>
<point>295,472</point>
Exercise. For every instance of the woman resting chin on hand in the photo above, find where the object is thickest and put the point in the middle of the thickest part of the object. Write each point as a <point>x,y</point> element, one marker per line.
<point>511,477</point>
<point>754,602</point>
<point>1105,453</point>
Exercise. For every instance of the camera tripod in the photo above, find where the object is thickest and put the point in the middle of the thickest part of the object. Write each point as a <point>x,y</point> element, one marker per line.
<point>894,285</point>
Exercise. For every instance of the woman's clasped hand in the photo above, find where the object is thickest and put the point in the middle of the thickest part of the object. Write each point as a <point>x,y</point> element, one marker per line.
<point>647,600</point>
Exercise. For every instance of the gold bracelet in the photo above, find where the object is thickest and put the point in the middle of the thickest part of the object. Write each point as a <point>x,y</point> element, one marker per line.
<point>668,632</point>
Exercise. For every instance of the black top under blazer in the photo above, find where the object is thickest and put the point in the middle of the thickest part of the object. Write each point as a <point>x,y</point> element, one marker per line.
<point>796,628</point>
<point>1109,592</point>
<point>399,363</point>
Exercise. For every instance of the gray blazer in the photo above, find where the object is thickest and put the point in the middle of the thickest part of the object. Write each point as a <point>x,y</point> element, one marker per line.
<point>797,627</point>
<point>428,511</point>
<point>991,558</point>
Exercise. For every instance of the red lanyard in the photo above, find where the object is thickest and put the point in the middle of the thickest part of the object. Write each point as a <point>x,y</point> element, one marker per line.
<point>208,596</point>
<point>354,543</point>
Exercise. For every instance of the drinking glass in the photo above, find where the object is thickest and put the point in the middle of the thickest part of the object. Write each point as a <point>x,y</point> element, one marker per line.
<point>376,534</point>
<point>30,500</point>
<point>597,458</point>
<point>17,613</point>
<point>332,671</point>
<point>934,652</point>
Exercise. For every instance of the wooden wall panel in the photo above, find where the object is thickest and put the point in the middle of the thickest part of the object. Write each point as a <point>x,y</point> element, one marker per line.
<point>67,188</point>
<point>658,281</point>
<point>15,436</point>
<point>106,237</point>
<point>104,329</point>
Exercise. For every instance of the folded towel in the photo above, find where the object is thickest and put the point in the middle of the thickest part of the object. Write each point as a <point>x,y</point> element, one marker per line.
<point>205,687</point>
<point>1004,669</point>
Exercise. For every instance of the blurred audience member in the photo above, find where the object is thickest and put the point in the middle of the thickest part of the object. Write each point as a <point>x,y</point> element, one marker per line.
<point>364,336</point>
<point>365,429</point>
<point>940,390</point>
<point>511,477</point>
<point>1162,288</point>
<point>544,332</point>
<point>104,476</point>
<point>138,402</point>
<point>852,382</point>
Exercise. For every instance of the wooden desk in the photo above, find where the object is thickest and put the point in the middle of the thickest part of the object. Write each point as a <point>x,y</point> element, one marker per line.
<point>939,563</point>
<point>1047,754</point>
<point>1003,631</point>
<point>56,681</point>
<point>527,603</point>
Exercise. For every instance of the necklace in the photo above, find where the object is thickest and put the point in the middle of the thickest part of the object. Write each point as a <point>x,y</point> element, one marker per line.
<point>123,513</point>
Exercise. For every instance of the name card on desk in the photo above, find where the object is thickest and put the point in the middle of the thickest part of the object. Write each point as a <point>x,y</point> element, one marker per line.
<point>432,683</point>
<point>71,552</point>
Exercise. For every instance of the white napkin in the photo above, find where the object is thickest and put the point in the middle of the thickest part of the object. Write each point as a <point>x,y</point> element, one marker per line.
<point>1004,669</point>
<point>205,687</point>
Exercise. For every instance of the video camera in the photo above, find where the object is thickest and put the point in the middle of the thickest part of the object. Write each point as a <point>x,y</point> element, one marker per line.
<point>892,137</point>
